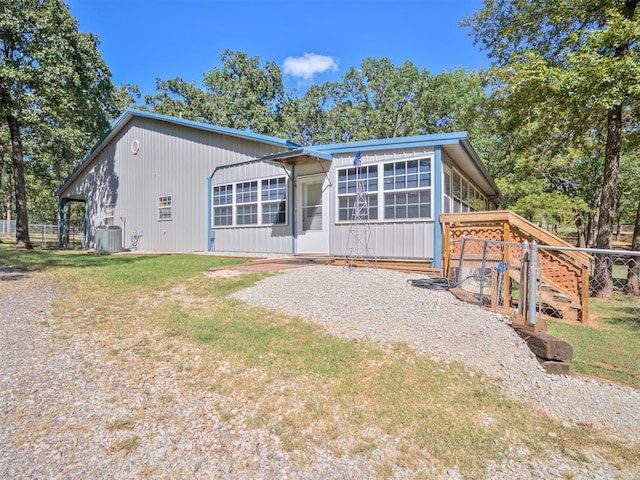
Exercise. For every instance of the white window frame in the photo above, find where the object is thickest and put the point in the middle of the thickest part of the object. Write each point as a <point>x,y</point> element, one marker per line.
<point>273,202</point>
<point>350,196</point>
<point>109,214</point>
<point>164,206</point>
<point>473,194</point>
<point>247,201</point>
<point>227,206</point>
<point>407,190</point>
<point>259,202</point>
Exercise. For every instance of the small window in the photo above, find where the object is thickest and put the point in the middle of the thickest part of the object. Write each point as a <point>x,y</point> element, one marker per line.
<point>108,214</point>
<point>223,205</point>
<point>165,207</point>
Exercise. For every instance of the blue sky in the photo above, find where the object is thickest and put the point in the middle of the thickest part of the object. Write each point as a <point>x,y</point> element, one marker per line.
<point>311,40</point>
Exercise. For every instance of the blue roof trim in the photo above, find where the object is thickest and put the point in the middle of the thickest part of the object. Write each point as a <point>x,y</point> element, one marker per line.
<point>130,113</point>
<point>399,142</point>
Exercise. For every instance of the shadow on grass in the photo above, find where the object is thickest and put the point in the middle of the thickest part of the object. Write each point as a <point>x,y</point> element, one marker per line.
<point>8,274</point>
<point>623,311</point>
<point>37,260</point>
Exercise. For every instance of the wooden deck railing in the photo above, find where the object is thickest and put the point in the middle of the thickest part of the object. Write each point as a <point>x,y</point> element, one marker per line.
<point>567,272</point>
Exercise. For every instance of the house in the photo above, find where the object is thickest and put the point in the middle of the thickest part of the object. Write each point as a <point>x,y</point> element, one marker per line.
<point>174,185</point>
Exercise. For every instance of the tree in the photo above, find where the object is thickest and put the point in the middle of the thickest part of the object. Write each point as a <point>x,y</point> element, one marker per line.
<point>55,89</point>
<point>571,64</point>
<point>239,94</point>
<point>632,286</point>
<point>381,100</point>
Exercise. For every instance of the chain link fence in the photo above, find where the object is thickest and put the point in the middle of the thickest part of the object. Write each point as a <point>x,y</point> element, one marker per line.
<point>570,284</point>
<point>613,287</point>
<point>46,235</point>
<point>490,271</point>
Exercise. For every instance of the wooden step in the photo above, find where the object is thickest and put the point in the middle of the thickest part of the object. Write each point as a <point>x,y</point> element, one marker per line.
<point>418,266</point>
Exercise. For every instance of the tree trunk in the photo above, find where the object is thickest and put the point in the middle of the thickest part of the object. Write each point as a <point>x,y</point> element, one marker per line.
<point>633,275</point>
<point>22,218</point>
<point>582,235</point>
<point>2,152</point>
<point>603,272</point>
<point>593,221</point>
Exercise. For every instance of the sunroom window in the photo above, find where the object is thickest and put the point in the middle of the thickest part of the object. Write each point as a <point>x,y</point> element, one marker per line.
<point>366,177</point>
<point>407,189</point>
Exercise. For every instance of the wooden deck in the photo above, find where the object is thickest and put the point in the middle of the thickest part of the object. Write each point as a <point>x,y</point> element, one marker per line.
<point>564,275</point>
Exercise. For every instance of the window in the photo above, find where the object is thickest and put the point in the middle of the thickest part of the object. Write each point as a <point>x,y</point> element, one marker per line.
<point>465,196</point>
<point>108,214</point>
<point>165,207</point>
<point>273,197</point>
<point>223,205</point>
<point>262,202</point>
<point>446,204</point>
<point>457,193</point>
<point>350,180</point>
<point>247,203</point>
<point>407,189</point>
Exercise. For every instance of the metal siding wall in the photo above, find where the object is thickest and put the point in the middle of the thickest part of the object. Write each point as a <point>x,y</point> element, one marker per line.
<point>173,160</point>
<point>343,160</point>
<point>258,239</point>
<point>247,172</point>
<point>268,239</point>
<point>399,240</point>
<point>99,186</point>
<point>411,239</point>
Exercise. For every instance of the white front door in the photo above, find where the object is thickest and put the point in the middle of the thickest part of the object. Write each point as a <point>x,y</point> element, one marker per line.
<point>312,215</point>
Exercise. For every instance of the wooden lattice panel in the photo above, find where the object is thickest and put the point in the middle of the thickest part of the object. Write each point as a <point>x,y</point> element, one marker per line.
<point>472,248</point>
<point>561,275</point>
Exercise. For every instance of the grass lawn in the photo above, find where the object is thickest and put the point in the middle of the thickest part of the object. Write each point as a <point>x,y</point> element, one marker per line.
<point>310,388</point>
<point>612,349</point>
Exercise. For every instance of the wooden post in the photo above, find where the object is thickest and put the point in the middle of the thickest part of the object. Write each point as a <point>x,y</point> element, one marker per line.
<point>584,297</point>
<point>506,280</point>
<point>446,250</point>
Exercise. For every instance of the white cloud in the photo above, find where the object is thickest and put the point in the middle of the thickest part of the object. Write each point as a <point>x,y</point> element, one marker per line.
<point>306,66</point>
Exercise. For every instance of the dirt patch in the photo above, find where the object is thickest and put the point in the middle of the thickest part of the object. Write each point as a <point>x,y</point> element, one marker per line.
<point>223,273</point>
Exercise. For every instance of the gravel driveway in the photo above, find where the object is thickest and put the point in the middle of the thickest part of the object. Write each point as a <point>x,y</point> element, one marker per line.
<point>72,409</point>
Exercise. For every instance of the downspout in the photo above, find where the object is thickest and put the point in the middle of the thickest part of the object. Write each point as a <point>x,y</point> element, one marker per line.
<point>209,216</point>
<point>437,207</point>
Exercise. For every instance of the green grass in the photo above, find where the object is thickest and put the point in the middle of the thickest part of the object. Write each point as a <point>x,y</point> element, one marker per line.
<point>115,273</point>
<point>305,386</point>
<point>611,350</point>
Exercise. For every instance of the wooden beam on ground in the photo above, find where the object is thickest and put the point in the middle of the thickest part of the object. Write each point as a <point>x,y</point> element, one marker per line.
<point>544,345</point>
